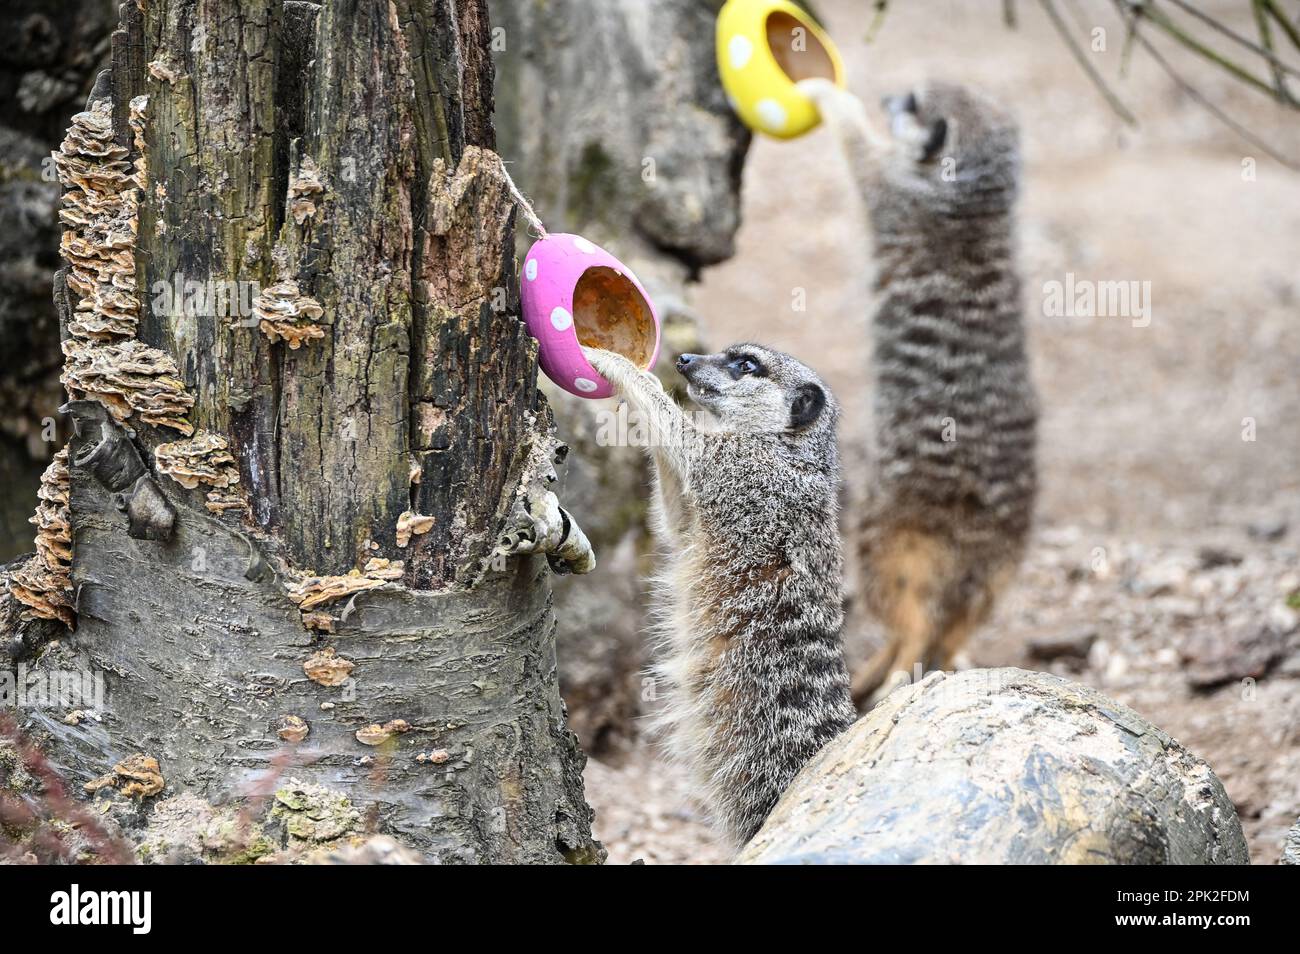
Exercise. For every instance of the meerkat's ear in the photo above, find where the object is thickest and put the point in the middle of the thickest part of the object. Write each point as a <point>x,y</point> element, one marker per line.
<point>809,400</point>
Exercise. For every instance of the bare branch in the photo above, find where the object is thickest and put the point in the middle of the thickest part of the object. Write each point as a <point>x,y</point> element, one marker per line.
<point>1287,26</point>
<point>1266,39</point>
<point>1082,58</point>
<point>1205,103</point>
<point>1265,50</point>
<point>1157,17</point>
<point>877,20</point>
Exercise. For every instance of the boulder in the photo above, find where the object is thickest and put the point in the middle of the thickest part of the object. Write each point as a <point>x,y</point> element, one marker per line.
<point>1001,766</point>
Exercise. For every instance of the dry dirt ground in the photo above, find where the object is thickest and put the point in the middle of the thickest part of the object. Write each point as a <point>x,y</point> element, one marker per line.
<point>1166,549</point>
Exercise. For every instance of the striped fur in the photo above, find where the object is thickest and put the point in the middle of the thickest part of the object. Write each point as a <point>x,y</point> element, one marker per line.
<point>750,672</point>
<point>954,480</point>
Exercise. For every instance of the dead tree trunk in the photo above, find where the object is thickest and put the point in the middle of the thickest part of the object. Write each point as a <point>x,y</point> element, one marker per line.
<point>296,455</point>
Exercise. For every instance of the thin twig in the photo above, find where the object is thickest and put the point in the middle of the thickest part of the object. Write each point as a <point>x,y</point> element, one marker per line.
<point>1126,52</point>
<point>1082,58</point>
<point>1009,14</point>
<point>1287,26</point>
<point>1205,103</point>
<point>1200,49</point>
<point>877,21</point>
<point>1266,50</point>
<point>1266,39</point>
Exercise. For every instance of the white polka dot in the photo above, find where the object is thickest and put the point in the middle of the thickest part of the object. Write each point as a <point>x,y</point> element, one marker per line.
<point>561,319</point>
<point>582,245</point>
<point>771,113</point>
<point>530,269</point>
<point>585,385</point>
<point>740,50</point>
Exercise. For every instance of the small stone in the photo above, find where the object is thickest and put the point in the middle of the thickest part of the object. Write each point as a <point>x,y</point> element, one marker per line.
<point>1217,658</point>
<point>1282,619</point>
<point>1074,644</point>
<point>1268,530</point>
<point>1161,579</point>
<point>1212,557</point>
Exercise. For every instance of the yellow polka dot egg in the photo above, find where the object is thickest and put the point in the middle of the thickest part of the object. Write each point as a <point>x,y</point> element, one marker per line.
<point>764,48</point>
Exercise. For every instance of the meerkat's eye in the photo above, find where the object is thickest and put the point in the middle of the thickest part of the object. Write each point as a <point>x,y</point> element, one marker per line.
<point>935,141</point>
<point>743,365</point>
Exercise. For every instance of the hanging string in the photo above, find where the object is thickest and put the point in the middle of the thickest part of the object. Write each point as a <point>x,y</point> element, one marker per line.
<point>525,207</point>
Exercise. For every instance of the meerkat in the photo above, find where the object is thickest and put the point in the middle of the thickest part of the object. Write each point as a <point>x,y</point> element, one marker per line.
<point>955,413</point>
<point>751,666</point>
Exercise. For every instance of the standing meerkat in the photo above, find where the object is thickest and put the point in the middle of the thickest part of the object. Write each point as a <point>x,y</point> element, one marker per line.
<point>953,484</point>
<point>751,664</point>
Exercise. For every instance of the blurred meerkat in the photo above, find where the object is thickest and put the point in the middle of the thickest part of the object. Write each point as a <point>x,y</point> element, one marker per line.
<point>953,484</point>
<point>751,663</point>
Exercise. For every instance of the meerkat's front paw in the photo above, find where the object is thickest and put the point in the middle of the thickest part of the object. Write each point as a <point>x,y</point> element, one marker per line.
<point>818,89</point>
<point>611,366</point>
<point>846,116</point>
<point>835,103</point>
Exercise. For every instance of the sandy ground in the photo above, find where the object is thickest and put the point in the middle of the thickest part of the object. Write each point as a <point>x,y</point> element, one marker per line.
<point>1166,549</point>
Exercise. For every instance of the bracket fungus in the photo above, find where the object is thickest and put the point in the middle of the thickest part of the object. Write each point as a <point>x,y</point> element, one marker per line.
<point>412,524</point>
<point>137,775</point>
<point>43,584</point>
<point>136,121</point>
<point>100,204</point>
<point>309,592</point>
<point>128,377</point>
<point>376,734</point>
<point>203,459</point>
<point>284,313</point>
<point>304,185</point>
<point>328,668</point>
<point>293,729</point>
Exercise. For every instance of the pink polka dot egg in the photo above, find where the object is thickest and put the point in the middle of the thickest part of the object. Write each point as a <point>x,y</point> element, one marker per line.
<point>576,294</point>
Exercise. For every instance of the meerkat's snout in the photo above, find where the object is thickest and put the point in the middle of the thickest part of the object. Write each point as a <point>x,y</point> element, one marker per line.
<point>704,374</point>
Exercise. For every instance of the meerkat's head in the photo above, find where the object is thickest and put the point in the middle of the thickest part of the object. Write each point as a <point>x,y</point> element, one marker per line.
<point>952,148</point>
<point>755,389</point>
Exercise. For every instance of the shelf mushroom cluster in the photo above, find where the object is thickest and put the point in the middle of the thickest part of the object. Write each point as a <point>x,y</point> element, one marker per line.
<point>103,361</point>
<point>43,584</point>
<point>282,311</point>
<point>309,593</point>
<point>204,459</point>
<point>99,212</point>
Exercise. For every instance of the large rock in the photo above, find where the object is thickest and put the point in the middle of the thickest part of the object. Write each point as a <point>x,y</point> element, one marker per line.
<point>1002,766</point>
